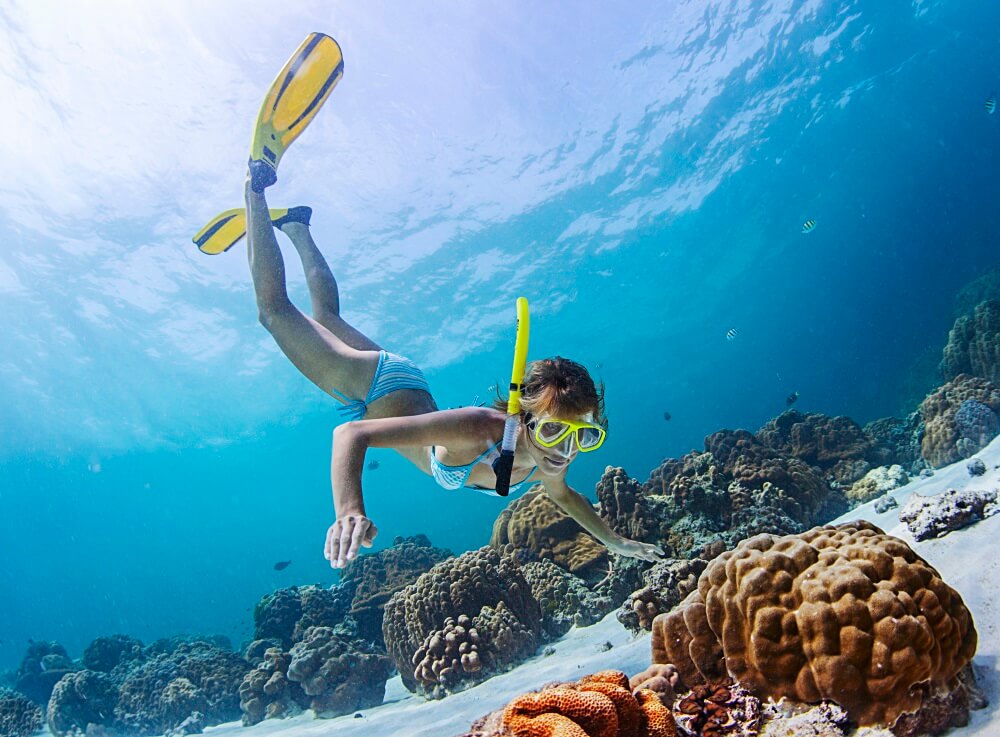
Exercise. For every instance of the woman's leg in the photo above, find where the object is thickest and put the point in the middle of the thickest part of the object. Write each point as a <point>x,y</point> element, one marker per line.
<point>323,292</point>
<point>322,357</point>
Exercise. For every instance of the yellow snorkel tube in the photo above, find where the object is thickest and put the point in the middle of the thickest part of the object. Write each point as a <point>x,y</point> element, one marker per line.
<point>504,463</point>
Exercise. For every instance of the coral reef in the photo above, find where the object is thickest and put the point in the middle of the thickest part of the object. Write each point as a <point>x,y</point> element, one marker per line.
<point>41,668</point>
<point>974,344</point>
<point>935,516</point>
<point>266,691</point>
<point>481,592</point>
<point>836,445</point>
<point>378,576</point>
<point>163,692</point>
<point>80,699</point>
<point>337,673</point>
<point>19,716</point>
<point>877,482</point>
<point>285,614</point>
<point>104,654</point>
<point>960,418</point>
<point>536,526</point>
<point>666,584</point>
<point>734,489</point>
<point>598,705</point>
<point>845,613</point>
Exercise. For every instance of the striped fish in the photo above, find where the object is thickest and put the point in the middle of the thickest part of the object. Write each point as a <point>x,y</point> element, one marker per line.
<point>808,226</point>
<point>990,105</point>
<point>731,334</point>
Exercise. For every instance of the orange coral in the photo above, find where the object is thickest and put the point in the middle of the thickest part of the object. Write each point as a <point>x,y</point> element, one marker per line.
<point>599,705</point>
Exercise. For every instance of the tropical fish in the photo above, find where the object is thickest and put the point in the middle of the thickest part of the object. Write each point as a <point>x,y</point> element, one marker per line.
<point>666,415</point>
<point>990,105</point>
<point>808,226</point>
<point>282,565</point>
<point>790,399</point>
<point>731,334</point>
<point>372,465</point>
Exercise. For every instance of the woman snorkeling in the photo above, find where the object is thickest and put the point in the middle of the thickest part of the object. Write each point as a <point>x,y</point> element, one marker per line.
<point>385,397</point>
<point>389,404</point>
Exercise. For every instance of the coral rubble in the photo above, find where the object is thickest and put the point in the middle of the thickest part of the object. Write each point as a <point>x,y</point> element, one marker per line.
<point>935,516</point>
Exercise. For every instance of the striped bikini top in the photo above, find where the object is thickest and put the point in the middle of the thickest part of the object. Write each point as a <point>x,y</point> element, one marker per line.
<point>454,477</point>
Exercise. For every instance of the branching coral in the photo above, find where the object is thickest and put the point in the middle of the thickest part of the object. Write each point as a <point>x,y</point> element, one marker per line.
<point>845,613</point>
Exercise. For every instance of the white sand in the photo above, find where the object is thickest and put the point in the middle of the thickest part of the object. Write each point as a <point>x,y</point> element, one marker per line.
<point>967,560</point>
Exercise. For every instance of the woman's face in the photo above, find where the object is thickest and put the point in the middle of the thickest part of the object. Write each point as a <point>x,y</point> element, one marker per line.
<point>555,460</point>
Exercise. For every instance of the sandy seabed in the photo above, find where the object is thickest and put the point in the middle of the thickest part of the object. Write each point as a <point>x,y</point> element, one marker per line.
<point>968,560</point>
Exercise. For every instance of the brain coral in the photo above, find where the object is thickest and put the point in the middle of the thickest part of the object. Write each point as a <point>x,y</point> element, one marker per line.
<point>598,705</point>
<point>974,344</point>
<point>535,523</point>
<point>960,418</point>
<point>476,603</point>
<point>845,613</point>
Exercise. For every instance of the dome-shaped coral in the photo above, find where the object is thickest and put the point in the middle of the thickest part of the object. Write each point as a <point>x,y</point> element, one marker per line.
<point>478,599</point>
<point>960,418</point>
<point>843,613</point>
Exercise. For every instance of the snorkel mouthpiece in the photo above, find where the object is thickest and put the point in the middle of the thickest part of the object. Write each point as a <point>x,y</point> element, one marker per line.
<point>504,463</point>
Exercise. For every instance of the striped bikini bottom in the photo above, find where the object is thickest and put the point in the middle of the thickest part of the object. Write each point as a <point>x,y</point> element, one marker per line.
<point>392,374</point>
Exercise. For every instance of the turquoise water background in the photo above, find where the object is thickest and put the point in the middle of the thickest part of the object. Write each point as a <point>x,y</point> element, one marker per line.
<point>641,176</point>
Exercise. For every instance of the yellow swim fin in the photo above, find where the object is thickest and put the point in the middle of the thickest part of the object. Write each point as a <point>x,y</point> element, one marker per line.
<point>227,228</point>
<point>296,95</point>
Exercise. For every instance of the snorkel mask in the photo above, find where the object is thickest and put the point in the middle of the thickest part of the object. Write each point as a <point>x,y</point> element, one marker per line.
<point>504,463</point>
<point>559,435</point>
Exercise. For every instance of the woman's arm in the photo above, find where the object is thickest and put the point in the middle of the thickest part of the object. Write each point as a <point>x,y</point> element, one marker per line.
<point>351,441</point>
<point>579,508</point>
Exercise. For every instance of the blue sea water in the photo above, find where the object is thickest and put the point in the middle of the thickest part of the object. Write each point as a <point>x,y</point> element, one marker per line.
<point>640,175</point>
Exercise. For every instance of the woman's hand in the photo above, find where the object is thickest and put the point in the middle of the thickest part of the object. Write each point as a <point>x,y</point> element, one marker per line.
<point>636,549</point>
<point>346,536</point>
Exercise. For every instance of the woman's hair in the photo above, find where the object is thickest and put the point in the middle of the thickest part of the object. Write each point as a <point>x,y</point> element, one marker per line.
<point>559,387</point>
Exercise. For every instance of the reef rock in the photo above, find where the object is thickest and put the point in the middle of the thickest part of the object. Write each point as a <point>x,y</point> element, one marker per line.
<point>378,576</point>
<point>897,442</point>
<point>41,668</point>
<point>836,445</point>
<point>104,654</point>
<point>19,716</point>
<point>81,699</point>
<point>666,584</point>
<point>960,418</point>
<point>844,613</point>
<point>284,615</point>
<point>735,489</point>
<point>164,691</point>
<point>338,673</point>
<point>535,525</point>
<point>936,516</point>
<point>463,621</point>
<point>877,482</point>
<point>974,344</point>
